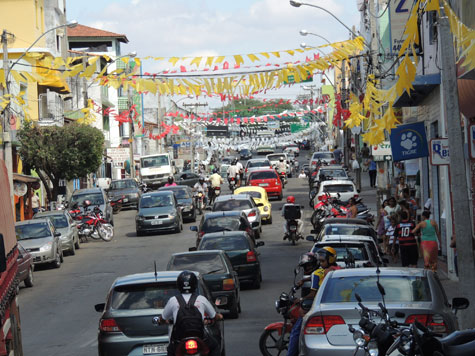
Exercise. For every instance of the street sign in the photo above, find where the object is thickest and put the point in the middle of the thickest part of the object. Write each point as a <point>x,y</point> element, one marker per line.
<point>291,79</point>
<point>118,155</point>
<point>382,149</point>
<point>471,139</point>
<point>439,152</point>
<point>399,11</point>
<point>409,142</point>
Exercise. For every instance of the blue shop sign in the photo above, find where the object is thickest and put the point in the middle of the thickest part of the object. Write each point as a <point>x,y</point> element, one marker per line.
<point>409,142</point>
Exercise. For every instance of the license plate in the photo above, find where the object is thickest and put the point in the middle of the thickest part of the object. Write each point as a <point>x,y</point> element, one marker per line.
<point>125,200</point>
<point>154,349</point>
<point>263,184</point>
<point>157,222</point>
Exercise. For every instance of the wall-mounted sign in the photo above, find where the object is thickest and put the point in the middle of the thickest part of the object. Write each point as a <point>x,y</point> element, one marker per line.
<point>383,149</point>
<point>409,142</point>
<point>439,152</point>
<point>399,11</point>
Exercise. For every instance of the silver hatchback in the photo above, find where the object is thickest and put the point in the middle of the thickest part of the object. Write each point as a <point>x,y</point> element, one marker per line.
<point>415,292</point>
<point>64,224</point>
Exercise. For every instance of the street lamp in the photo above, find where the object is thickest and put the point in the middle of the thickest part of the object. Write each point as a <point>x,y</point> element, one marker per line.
<point>305,33</point>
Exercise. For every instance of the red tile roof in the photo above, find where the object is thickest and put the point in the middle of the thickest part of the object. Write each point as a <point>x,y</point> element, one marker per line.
<point>86,31</point>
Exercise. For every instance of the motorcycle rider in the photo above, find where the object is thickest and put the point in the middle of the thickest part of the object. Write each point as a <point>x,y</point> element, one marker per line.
<point>215,181</point>
<point>233,172</point>
<point>202,187</point>
<point>281,166</point>
<point>241,171</point>
<point>187,284</point>
<point>291,202</point>
<point>170,182</point>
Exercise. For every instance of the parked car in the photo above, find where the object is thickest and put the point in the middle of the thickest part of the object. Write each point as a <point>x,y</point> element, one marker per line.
<point>245,154</point>
<point>129,320</point>
<point>336,227</point>
<point>25,267</point>
<point>417,293</point>
<point>259,195</point>
<point>256,164</point>
<point>41,240</point>
<point>263,150</point>
<point>332,172</point>
<point>128,189</point>
<point>158,211</point>
<point>218,275</point>
<point>242,203</point>
<point>97,197</point>
<point>345,189</point>
<point>241,250</point>
<point>63,223</point>
<point>184,196</point>
<point>326,157</point>
<point>267,179</point>
<point>222,221</point>
<point>187,178</point>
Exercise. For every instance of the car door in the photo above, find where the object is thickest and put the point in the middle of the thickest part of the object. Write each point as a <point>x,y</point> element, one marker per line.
<point>56,239</point>
<point>23,263</point>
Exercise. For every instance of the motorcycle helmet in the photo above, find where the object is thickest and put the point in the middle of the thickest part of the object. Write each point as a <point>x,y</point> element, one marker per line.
<point>291,199</point>
<point>187,282</point>
<point>215,170</point>
<point>86,202</point>
<point>170,180</point>
<point>308,262</point>
<point>281,159</point>
<point>328,253</point>
<point>201,180</point>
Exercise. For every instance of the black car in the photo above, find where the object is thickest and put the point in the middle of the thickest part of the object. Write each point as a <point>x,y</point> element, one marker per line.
<point>129,321</point>
<point>223,221</point>
<point>240,249</point>
<point>245,154</point>
<point>184,196</point>
<point>187,178</point>
<point>128,189</point>
<point>218,275</point>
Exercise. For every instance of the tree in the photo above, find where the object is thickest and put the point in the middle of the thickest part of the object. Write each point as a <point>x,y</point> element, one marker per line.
<point>67,152</point>
<point>250,107</point>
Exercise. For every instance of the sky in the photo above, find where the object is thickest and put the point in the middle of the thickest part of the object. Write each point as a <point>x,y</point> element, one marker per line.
<point>167,28</point>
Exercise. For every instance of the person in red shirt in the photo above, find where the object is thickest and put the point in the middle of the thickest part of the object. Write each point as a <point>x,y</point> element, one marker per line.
<point>406,239</point>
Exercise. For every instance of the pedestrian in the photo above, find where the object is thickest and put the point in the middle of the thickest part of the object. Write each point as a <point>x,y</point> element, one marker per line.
<point>372,171</point>
<point>365,155</point>
<point>35,203</point>
<point>302,174</point>
<point>430,240</point>
<point>381,225</point>
<point>338,154</point>
<point>392,207</point>
<point>411,202</point>
<point>407,241</point>
<point>393,246</point>
<point>353,209</point>
<point>400,186</point>
<point>453,244</point>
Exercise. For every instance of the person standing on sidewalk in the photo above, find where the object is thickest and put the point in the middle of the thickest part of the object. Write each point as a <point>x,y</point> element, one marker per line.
<point>382,225</point>
<point>403,234</point>
<point>365,155</point>
<point>372,171</point>
<point>430,240</point>
<point>400,187</point>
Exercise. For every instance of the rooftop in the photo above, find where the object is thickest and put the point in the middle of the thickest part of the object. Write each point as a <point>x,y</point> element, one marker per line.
<point>83,32</point>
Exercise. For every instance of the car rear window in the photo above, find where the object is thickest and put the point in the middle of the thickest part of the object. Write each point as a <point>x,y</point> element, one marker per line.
<point>344,251</point>
<point>121,184</point>
<point>220,223</point>
<point>399,289</point>
<point>263,175</point>
<point>205,263</point>
<point>32,231</point>
<point>231,205</point>
<point>349,230</point>
<point>276,157</point>
<point>338,188</point>
<point>334,173</point>
<point>94,198</point>
<point>226,243</point>
<point>142,296</point>
<point>323,155</point>
<point>253,164</point>
<point>59,221</point>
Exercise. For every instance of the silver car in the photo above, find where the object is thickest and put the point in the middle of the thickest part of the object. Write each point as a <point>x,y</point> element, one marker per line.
<point>342,189</point>
<point>41,240</point>
<point>323,156</point>
<point>415,292</point>
<point>244,203</point>
<point>63,223</point>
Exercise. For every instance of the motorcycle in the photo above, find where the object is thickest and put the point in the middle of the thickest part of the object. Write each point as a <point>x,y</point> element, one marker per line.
<point>232,184</point>
<point>192,346</point>
<point>291,214</point>
<point>92,224</point>
<point>199,201</point>
<point>283,178</point>
<point>116,204</point>
<point>215,192</point>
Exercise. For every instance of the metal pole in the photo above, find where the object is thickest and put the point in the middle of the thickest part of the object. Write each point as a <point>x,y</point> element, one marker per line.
<point>7,144</point>
<point>458,180</point>
<point>159,123</point>
<point>131,129</point>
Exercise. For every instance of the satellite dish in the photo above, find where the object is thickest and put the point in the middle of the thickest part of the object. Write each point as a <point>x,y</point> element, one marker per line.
<point>20,188</point>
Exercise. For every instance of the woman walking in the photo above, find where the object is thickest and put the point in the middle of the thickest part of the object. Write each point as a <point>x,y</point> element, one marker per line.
<point>430,235</point>
<point>372,171</point>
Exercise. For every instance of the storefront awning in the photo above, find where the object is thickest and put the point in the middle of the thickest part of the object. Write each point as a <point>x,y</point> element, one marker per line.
<point>24,178</point>
<point>423,86</point>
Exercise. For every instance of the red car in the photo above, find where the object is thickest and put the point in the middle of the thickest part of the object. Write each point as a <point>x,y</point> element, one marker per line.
<point>267,179</point>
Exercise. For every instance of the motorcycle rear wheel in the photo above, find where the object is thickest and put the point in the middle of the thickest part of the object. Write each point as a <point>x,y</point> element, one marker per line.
<point>270,343</point>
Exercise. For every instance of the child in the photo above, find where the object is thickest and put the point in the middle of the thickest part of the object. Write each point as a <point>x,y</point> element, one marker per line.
<point>393,246</point>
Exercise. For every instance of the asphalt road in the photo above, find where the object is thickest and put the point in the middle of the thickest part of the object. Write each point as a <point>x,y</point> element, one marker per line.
<point>58,316</point>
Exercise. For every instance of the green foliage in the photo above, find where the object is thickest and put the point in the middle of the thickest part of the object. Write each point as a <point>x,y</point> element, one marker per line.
<point>247,107</point>
<point>68,152</point>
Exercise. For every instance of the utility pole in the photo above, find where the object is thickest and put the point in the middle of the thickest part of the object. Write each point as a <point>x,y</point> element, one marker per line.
<point>458,180</point>
<point>131,128</point>
<point>193,148</point>
<point>159,123</point>
<point>7,143</point>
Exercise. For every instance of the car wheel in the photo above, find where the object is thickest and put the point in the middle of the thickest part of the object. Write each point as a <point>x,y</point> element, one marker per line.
<point>234,312</point>
<point>72,252</point>
<point>57,261</point>
<point>61,256</point>
<point>139,232</point>
<point>29,279</point>
<point>257,282</point>
<point>270,220</point>
<point>76,244</point>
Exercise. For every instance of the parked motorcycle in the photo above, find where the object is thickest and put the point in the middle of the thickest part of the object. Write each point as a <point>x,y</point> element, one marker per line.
<point>92,224</point>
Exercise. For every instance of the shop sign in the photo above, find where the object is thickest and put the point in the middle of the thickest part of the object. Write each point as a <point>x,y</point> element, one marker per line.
<point>382,149</point>
<point>409,142</point>
<point>439,152</point>
<point>118,155</point>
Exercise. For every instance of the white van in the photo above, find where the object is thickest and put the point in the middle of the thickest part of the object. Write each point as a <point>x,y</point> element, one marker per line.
<point>155,169</point>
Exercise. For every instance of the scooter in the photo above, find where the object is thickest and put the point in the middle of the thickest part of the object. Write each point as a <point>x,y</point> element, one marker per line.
<point>215,192</point>
<point>192,346</point>
<point>232,184</point>
<point>199,201</point>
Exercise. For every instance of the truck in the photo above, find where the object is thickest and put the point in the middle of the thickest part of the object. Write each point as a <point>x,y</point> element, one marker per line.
<point>155,169</point>
<point>10,331</point>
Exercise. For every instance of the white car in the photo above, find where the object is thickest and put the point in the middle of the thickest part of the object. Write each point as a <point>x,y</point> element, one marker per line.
<point>292,148</point>
<point>274,159</point>
<point>342,189</point>
<point>324,156</point>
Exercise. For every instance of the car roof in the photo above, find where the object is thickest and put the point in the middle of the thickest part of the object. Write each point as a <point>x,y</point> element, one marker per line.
<point>200,252</point>
<point>148,277</point>
<point>384,271</point>
<point>88,190</point>
<point>32,222</point>
<point>216,214</point>
<point>332,167</point>
<point>225,233</point>
<point>338,242</point>
<point>50,213</point>
<point>336,182</point>
<point>173,187</point>
<point>257,160</point>
<point>363,238</point>
<point>162,192</point>
<point>249,188</point>
<point>345,221</point>
<point>263,170</point>
<point>119,180</point>
<point>232,197</point>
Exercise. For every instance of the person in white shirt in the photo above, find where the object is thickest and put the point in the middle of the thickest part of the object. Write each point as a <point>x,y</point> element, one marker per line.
<point>281,166</point>
<point>302,174</point>
<point>233,171</point>
<point>215,182</point>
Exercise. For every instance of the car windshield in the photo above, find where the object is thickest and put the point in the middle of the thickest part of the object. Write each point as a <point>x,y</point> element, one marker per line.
<point>59,221</point>
<point>231,205</point>
<point>206,263</point>
<point>226,243</point>
<point>334,173</point>
<point>155,201</point>
<point>349,230</point>
<point>399,289</point>
<point>323,155</point>
<point>252,193</point>
<point>142,296</point>
<point>94,198</point>
<point>338,188</point>
<point>276,157</point>
<point>253,164</point>
<point>230,223</point>
<point>32,231</point>
<point>263,175</point>
<point>157,161</point>
<point>343,251</point>
<point>122,184</point>
<point>180,193</point>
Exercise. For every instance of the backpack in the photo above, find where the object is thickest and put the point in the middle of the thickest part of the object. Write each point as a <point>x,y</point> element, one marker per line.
<point>189,321</point>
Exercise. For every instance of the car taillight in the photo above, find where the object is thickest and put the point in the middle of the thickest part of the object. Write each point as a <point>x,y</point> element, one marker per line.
<point>109,326</point>
<point>191,347</point>
<point>246,170</point>
<point>356,196</point>
<point>314,163</point>
<point>332,161</point>
<point>228,284</point>
<point>321,324</point>
<point>251,214</point>
<point>201,233</point>
<point>435,322</point>
<point>251,257</point>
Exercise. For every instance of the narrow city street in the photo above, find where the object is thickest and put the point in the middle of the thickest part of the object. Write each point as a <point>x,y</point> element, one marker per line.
<point>58,315</point>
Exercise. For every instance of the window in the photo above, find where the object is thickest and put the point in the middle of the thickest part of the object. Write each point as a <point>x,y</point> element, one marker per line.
<point>338,188</point>
<point>143,296</point>
<point>252,164</point>
<point>32,231</point>
<point>231,205</point>
<point>348,230</point>
<point>59,221</point>
<point>323,155</point>
<point>205,263</point>
<point>222,223</point>
<point>157,161</point>
<point>253,194</point>
<point>226,243</point>
<point>343,251</point>
<point>334,173</point>
<point>94,198</point>
<point>122,184</point>
<point>155,201</point>
<point>263,175</point>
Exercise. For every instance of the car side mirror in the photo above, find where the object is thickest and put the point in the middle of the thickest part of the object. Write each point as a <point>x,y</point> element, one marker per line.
<point>310,238</point>
<point>460,303</point>
<point>194,228</point>
<point>260,243</point>
<point>100,307</point>
<point>191,249</point>
<point>57,234</point>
